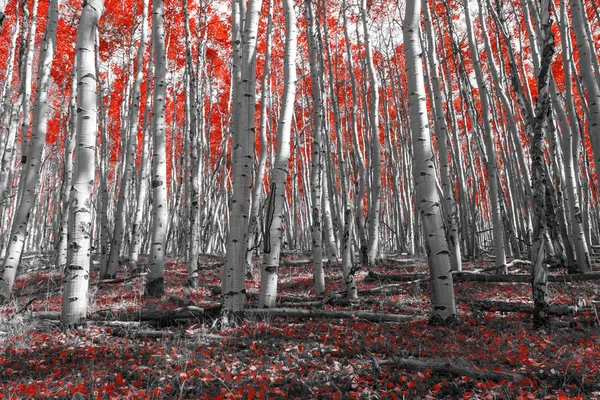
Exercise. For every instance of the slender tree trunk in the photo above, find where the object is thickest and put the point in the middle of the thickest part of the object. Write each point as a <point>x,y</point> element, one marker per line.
<point>243,131</point>
<point>110,271</point>
<point>155,281</point>
<point>258,189</point>
<point>589,81</point>
<point>450,212</point>
<point>67,178</point>
<point>31,177</point>
<point>375,164</point>
<point>77,270</point>
<point>360,194</point>
<point>492,163</point>
<point>143,178</point>
<point>277,193</point>
<point>317,159</point>
<point>426,194</point>
<point>540,178</point>
<point>568,132</point>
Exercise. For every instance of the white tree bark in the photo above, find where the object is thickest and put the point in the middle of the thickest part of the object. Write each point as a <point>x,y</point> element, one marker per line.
<point>589,81</point>
<point>426,195</point>
<point>375,164</point>
<point>441,131</point>
<point>143,178</point>
<point>492,163</point>
<point>243,149</point>
<point>77,270</point>
<point>258,189</point>
<point>31,177</point>
<point>316,167</point>
<point>276,199</point>
<point>67,176</point>
<point>155,281</point>
<point>110,271</point>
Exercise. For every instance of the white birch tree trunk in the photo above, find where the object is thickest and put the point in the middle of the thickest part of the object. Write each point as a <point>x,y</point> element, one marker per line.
<point>143,178</point>
<point>426,195</point>
<point>276,200</point>
<point>110,271</point>
<point>316,167</point>
<point>258,190</point>
<point>31,177</point>
<point>492,163</point>
<point>589,81</point>
<point>540,178</point>
<point>155,286</point>
<point>77,270</point>
<point>441,131</point>
<point>375,164</point>
<point>243,131</point>
<point>67,177</point>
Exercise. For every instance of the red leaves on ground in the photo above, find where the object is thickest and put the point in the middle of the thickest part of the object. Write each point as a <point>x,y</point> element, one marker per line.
<point>291,358</point>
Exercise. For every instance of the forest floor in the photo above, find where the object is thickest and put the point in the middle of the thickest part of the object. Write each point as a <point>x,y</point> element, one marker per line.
<point>306,358</point>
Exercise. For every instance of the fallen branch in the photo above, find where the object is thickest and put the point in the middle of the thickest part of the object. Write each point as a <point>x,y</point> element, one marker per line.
<point>475,277</point>
<point>451,368</point>
<point>314,303</point>
<point>188,312</point>
<point>118,280</point>
<point>206,266</point>
<point>296,263</point>
<point>374,277</point>
<point>287,312</point>
<point>404,260</point>
<point>504,306</point>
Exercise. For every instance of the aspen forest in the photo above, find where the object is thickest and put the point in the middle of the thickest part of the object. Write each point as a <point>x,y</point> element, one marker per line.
<point>304,199</point>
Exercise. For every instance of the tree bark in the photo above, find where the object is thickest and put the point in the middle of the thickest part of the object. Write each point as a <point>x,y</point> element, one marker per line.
<point>274,215</point>
<point>426,194</point>
<point>155,280</point>
<point>31,169</point>
<point>110,271</point>
<point>77,270</point>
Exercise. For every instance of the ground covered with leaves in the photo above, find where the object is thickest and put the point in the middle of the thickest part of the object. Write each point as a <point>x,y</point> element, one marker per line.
<point>292,357</point>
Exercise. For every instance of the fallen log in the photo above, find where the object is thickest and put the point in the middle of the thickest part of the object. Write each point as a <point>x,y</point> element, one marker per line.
<point>188,312</point>
<point>504,306</point>
<point>296,263</point>
<point>46,315</point>
<point>476,277</point>
<point>368,316</point>
<point>374,277</point>
<point>118,280</point>
<point>448,367</point>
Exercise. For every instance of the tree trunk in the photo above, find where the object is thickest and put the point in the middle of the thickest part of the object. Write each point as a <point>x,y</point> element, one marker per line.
<point>110,271</point>
<point>77,270</point>
<point>540,179</point>
<point>258,189</point>
<point>375,162</point>
<point>441,131</point>
<point>31,172</point>
<point>317,158</point>
<point>492,163</point>
<point>155,286</point>
<point>276,199</point>
<point>243,131</point>
<point>143,178</point>
<point>426,194</point>
<point>67,176</point>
